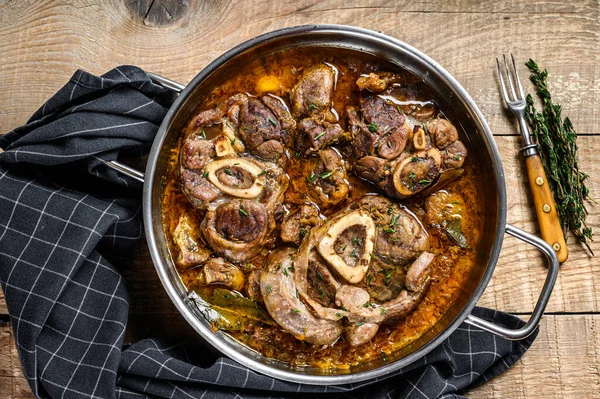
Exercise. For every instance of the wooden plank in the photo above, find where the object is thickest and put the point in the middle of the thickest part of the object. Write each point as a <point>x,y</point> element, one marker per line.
<point>520,271</point>
<point>156,13</point>
<point>564,360</point>
<point>41,44</point>
<point>12,382</point>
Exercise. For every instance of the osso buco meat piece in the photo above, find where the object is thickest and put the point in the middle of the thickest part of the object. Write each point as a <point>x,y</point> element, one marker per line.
<point>401,155</point>
<point>328,282</point>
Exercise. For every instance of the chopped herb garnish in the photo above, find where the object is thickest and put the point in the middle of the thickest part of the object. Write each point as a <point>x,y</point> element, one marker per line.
<point>394,220</point>
<point>232,141</point>
<point>322,291</point>
<point>424,181</point>
<point>248,266</point>
<point>229,172</point>
<point>338,314</point>
<point>387,273</point>
<point>383,310</point>
<point>319,275</point>
<point>312,106</point>
<point>243,211</point>
<point>456,157</point>
<point>356,241</point>
<point>343,249</point>
<point>297,294</point>
<point>354,254</point>
<point>388,230</point>
<point>269,289</point>
<point>279,213</point>
<point>312,178</point>
<point>389,143</point>
<point>372,127</point>
<point>372,256</point>
<point>360,323</point>
<point>205,175</point>
<point>279,266</point>
<point>285,273</point>
<point>292,268</point>
<point>344,308</point>
<point>203,134</point>
<point>303,233</point>
<point>295,311</point>
<point>390,210</point>
<point>369,278</point>
<point>264,172</point>
<point>297,154</point>
<point>319,136</point>
<point>326,175</point>
<point>272,122</point>
<point>415,159</point>
<point>367,305</point>
<point>412,175</point>
<point>383,355</point>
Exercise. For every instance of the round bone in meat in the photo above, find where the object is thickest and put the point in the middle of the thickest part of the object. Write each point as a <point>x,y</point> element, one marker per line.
<point>352,273</point>
<point>237,229</point>
<point>236,177</point>
<point>416,172</point>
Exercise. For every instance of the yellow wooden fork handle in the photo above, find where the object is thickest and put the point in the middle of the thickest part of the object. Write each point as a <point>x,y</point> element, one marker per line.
<point>545,207</point>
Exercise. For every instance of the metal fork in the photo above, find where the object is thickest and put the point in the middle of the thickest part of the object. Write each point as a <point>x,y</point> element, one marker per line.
<point>542,197</point>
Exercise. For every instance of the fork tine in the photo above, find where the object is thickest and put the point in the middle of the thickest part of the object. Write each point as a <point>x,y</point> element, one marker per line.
<point>517,78</point>
<point>510,81</point>
<point>504,94</point>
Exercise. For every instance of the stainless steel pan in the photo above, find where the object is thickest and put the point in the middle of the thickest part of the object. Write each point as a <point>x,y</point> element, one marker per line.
<point>452,97</point>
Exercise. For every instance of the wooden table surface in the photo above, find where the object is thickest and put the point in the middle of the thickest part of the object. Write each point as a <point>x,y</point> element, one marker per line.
<point>43,42</point>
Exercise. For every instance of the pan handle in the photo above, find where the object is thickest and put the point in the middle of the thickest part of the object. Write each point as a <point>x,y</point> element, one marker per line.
<point>168,83</point>
<point>128,170</point>
<point>542,301</point>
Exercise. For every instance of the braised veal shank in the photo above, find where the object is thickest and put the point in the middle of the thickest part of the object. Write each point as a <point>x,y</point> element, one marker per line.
<point>317,193</point>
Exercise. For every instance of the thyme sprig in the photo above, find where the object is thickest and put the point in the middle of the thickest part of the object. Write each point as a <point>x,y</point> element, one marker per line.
<point>557,141</point>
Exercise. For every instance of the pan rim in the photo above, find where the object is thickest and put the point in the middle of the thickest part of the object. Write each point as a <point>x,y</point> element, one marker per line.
<point>291,376</point>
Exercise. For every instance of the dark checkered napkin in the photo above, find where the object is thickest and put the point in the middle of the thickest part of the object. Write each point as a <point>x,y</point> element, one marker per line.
<point>65,220</point>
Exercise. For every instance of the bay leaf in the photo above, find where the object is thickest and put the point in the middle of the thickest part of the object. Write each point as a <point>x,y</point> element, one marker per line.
<point>229,310</point>
<point>454,230</point>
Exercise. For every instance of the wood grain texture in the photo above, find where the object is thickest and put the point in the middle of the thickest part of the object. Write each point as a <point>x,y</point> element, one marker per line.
<point>12,383</point>
<point>158,12</point>
<point>563,362</point>
<point>42,43</point>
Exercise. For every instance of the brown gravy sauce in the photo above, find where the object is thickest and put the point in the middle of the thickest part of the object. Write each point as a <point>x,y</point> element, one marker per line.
<point>452,264</point>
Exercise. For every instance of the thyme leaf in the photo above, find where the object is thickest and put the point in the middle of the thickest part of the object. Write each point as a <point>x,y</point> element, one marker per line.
<point>557,141</point>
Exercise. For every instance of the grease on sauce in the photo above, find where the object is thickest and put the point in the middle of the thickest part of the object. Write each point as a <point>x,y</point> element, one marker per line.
<point>276,74</point>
